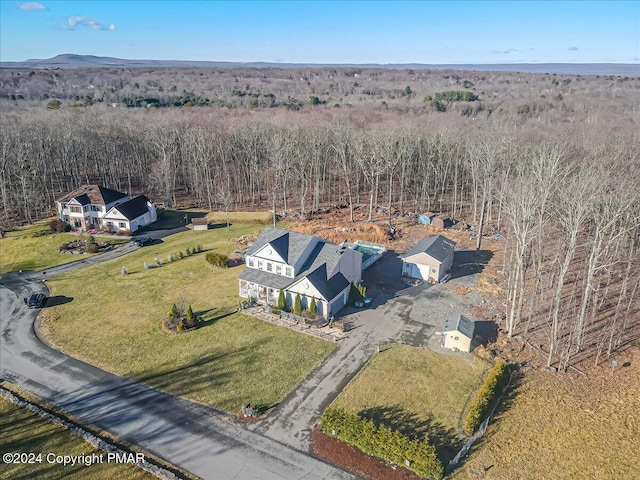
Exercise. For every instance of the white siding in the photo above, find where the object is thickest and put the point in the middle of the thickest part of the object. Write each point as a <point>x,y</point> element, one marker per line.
<point>458,341</point>
<point>304,287</point>
<point>268,252</point>
<point>350,265</point>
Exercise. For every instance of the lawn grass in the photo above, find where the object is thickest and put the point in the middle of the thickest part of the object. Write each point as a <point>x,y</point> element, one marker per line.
<point>417,392</point>
<point>114,321</point>
<point>20,250</point>
<point>559,427</point>
<point>264,218</point>
<point>24,431</point>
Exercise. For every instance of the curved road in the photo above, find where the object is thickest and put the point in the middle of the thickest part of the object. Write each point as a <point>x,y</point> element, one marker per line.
<point>184,433</point>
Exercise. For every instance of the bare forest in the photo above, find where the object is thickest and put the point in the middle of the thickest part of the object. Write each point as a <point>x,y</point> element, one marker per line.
<point>551,162</point>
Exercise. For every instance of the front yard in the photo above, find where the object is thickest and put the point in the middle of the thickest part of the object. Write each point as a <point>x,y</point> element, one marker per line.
<point>417,392</point>
<point>33,247</point>
<point>114,321</point>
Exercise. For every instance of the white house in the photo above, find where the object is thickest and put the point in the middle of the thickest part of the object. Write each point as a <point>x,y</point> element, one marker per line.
<point>430,259</point>
<point>130,215</point>
<point>92,206</point>
<point>299,264</point>
<point>458,333</point>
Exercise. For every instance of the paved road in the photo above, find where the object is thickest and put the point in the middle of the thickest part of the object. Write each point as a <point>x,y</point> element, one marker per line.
<point>186,434</point>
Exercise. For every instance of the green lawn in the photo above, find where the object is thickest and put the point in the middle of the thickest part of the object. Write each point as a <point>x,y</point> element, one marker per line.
<point>20,250</point>
<point>417,392</point>
<point>24,432</point>
<point>114,321</point>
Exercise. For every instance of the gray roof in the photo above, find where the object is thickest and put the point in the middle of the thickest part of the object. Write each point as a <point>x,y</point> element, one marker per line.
<point>134,208</point>
<point>289,245</point>
<point>328,288</point>
<point>438,247</point>
<point>269,279</point>
<point>462,324</point>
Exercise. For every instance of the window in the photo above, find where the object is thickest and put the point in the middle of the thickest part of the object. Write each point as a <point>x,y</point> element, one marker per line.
<point>76,209</point>
<point>123,225</point>
<point>259,264</point>
<point>278,269</point>
<point>287,272</point>
<point>250,261</point>
<point>269,267</point>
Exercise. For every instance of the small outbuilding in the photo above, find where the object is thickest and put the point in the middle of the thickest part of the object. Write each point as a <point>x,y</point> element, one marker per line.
<point>430,259</point>
<point>458,333</point>
<point>200,223</point>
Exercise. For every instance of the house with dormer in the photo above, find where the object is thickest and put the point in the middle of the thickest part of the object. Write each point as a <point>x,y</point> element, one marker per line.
<point>302,264</point>
<point>94,207</point>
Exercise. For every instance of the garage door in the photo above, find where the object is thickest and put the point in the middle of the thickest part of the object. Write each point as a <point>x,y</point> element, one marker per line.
<point>420,271</point>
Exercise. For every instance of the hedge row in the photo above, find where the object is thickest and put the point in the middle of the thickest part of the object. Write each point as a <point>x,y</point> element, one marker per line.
<point>382,442</point>
<point>481,404</point>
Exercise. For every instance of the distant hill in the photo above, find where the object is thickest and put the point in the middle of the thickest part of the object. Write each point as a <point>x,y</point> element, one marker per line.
<point>69,60</point>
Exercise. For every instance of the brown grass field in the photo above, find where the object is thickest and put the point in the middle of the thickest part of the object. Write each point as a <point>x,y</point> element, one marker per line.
<point>558,426</point>
<point>24,431</point>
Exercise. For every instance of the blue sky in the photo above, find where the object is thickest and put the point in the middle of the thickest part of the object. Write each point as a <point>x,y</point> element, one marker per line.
<point>326,32</point>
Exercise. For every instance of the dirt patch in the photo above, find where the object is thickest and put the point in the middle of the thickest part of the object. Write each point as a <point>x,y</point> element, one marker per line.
<point>350,458</point>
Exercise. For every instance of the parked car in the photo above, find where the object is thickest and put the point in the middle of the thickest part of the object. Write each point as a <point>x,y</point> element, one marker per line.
<point>37,300</point>
<point>142,241</point>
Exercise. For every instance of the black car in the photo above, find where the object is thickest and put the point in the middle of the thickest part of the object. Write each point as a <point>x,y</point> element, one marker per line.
<point>142,241</point>
<point>37,300</point>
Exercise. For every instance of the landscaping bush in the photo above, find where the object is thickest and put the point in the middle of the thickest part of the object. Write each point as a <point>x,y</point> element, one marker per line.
<point>297,305</point>
<point>91,247</point>
<point>485,397</point>
<point>217,259</point>
<point>124,233</point>
<point>58,226</point>
<point>190,320</point>
<point>282,303</point>
<point>313,308</point>
<point>380,441</point>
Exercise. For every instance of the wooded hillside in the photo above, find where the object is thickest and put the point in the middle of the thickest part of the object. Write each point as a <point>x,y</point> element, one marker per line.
<point>551,160</point>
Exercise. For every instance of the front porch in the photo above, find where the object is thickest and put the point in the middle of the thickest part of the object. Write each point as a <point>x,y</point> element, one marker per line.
<point>259,293</point>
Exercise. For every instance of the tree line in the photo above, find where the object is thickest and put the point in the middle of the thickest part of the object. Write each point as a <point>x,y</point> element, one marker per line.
<point>564,196</point>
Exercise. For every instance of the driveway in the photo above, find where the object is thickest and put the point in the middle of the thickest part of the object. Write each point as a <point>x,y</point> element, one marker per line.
<point>184,433</point>
<point>400,312</point>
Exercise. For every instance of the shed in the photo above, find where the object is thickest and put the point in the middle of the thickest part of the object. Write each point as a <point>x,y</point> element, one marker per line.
<point>200,223</point>
<point>430,259</point>
<point>441,221</point>
<point>458,333</point>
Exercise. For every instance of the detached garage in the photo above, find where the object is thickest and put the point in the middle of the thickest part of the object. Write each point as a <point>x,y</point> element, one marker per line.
<point>430,259</point>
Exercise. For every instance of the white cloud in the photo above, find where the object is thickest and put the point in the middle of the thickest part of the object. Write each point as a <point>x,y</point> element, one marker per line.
<point>28,6</point>
<point>91,23</point>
